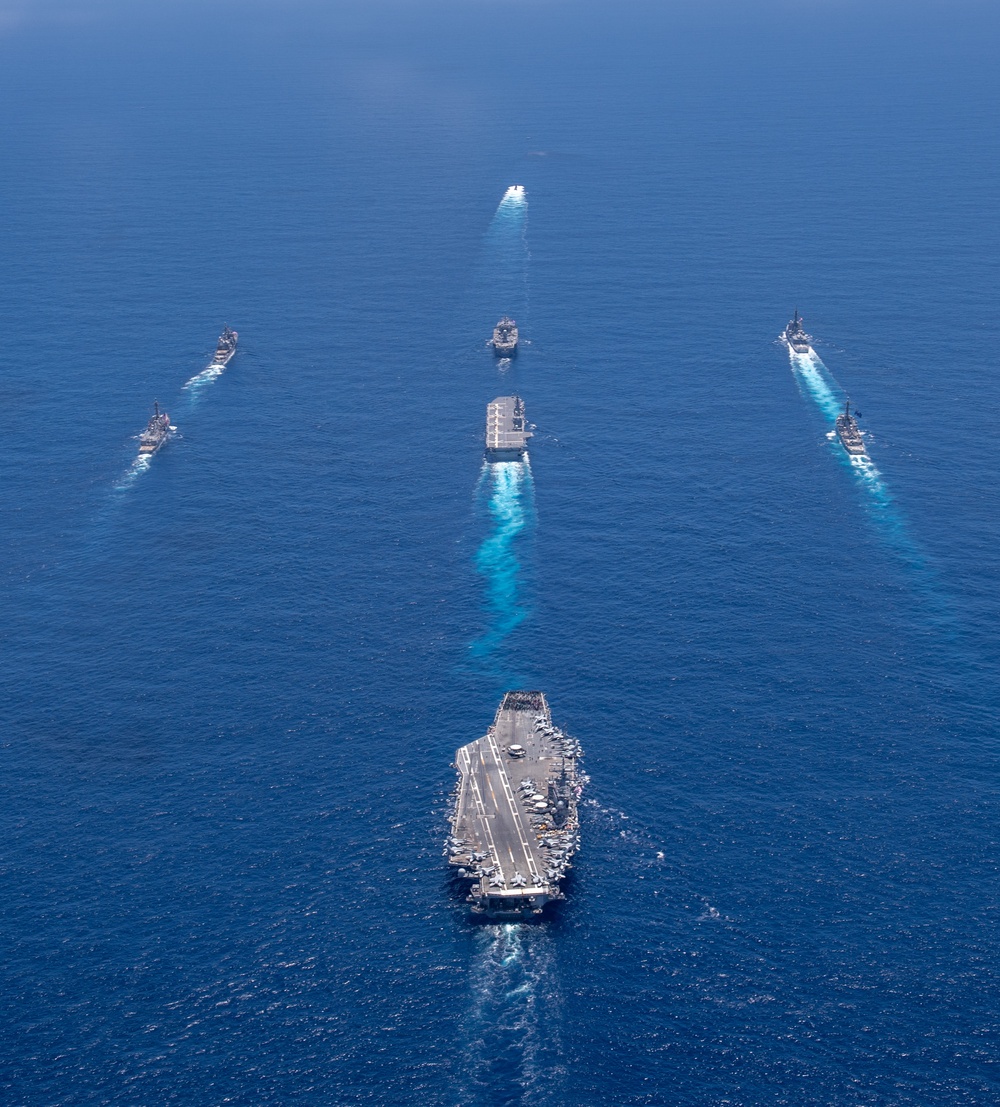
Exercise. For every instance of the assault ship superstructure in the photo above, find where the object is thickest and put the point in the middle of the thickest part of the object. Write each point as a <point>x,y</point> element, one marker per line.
<point>225,349</point>
<point>506,430</point>
<point>514,825</point>
<point>156,433</point>
<point>505,338</point>
<point>795,335</point>
<point>848,432</point>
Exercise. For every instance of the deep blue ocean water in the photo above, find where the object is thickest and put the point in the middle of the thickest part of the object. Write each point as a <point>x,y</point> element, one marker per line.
<point>233,683</point>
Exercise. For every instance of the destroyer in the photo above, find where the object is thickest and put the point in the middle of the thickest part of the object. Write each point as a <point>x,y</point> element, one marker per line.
<point>848,433</point>
<point>226,348</point>
<point>156,433</point>
<point>506,432</point>
<point>505,338</point>
<point>514,827</point>
<point>795,335</point>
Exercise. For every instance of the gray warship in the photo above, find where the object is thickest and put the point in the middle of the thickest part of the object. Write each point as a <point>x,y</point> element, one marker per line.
<point>848,432</point>
<point>505,338</point>
<point>156,433</point>
<point>514,826</point>
<point>225,349</point>
<point>795,335</point>
<point>506,431</point>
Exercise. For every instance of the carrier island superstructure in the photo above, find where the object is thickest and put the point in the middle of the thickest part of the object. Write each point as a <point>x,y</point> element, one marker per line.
<point>507,432</point>
<point>514,827</point>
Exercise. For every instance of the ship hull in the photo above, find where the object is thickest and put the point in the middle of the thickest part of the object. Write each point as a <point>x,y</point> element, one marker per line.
<point>156,433</point>
<point>506,429</point>
<point>506,455</point>
<point>850,437</point>
<point>796,346</point>
<point>853,448</point>
<point>225,349</point>
<point>502,350</point>
<point>514,825</point>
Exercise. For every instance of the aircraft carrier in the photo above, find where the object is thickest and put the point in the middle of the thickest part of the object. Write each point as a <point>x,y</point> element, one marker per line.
<point>506,431</point>
<point>514,827</point>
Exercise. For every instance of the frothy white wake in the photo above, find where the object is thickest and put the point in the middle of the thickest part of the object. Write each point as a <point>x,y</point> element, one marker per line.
<point>512,1034</point>
<point>511,510</point>
<point>136,469</point>
<point>516,194</point>
<point>816,381</point>
<point>814,377</point>
<point>811,372</point>
<point>206,376</point>
<point>502,273</point>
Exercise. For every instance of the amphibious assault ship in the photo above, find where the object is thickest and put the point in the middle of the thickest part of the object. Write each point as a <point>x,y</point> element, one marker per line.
<point>226,348</point>
<point>156,433</point>
<point>505,338</point>
<point>506,431</point>
<point>795,335</point>
<point>848,433</point>
<point>514,827</point>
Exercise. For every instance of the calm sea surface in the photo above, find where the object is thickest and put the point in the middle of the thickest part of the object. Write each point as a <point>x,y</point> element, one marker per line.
<point>233,681</point>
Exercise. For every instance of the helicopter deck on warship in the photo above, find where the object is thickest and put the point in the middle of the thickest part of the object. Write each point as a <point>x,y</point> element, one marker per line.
<point>514,825</point>
<point>507,432</point>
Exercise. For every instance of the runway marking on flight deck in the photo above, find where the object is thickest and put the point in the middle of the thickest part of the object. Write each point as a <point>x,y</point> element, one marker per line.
<point>509,794</point>
<point>477,795</point>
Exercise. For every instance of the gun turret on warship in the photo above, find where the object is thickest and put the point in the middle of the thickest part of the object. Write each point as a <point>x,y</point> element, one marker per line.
<point>225,349</point>
<point>156,433</point>
<point>514,826</point>
<point>505,338</point>
<point>506,431</point>
<point>848,432</point>
<point>794,334</point>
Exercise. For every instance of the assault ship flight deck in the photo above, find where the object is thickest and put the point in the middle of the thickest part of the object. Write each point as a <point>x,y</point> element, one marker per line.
<point>506,430</point>
<point>514,825</point>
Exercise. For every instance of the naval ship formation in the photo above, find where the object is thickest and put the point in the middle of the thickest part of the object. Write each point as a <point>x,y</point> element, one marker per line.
<point>514,827</point>
<point>156,433</point>
<point>846,425</point>
<point>505,338</point>
<point>158,428</point>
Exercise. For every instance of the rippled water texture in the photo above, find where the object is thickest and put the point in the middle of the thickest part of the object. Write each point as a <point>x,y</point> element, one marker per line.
<point>235,674</point>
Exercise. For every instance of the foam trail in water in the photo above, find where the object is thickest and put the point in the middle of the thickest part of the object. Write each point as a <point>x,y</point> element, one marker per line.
<point>502,274</point>
<point>811,372</point>
<point>136,469</point>
<point>511,510</point>
<point>200,380</point>
<point>512,1031</point>
<point>816,380</point>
